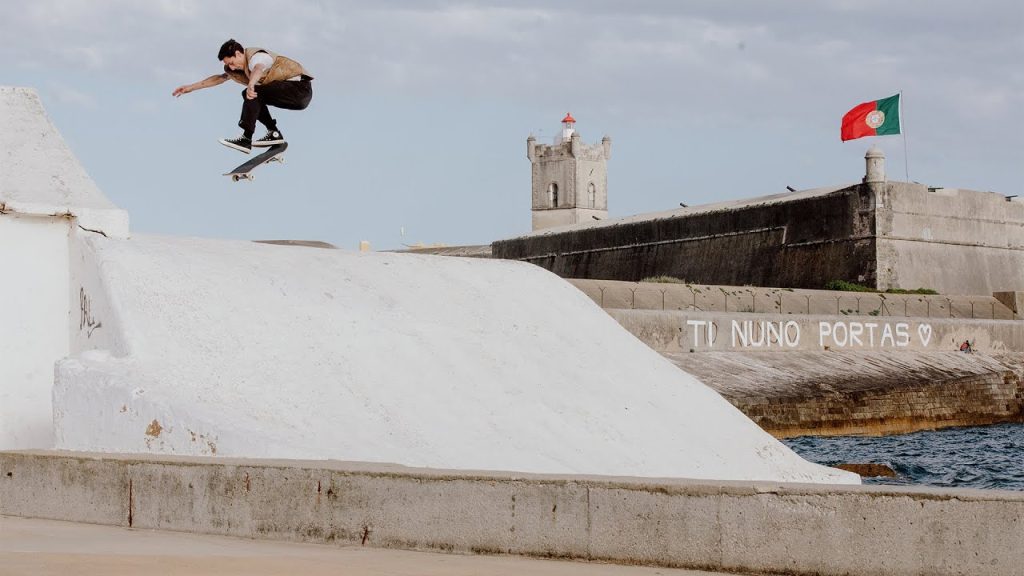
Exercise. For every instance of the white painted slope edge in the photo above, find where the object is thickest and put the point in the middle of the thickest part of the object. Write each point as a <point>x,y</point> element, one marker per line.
<point>39,175</point>
<point>33,325</point>
<point>253,350</point>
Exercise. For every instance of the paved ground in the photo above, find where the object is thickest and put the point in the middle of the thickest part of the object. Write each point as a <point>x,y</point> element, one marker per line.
<point>45,547</point>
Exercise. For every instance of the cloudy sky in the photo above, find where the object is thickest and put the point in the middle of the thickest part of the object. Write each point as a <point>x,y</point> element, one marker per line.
<point>421,109</point>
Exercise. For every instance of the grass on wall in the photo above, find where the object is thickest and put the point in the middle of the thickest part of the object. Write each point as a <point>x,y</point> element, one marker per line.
<point>844,286</point>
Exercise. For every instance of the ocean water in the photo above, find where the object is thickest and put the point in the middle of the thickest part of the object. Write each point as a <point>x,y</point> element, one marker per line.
<point>976,457</point>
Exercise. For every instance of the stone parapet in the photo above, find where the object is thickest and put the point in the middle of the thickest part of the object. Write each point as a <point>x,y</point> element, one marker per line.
<point>729,526</point>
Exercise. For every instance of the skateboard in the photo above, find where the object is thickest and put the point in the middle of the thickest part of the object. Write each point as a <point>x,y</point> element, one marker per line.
<point>244,171</point>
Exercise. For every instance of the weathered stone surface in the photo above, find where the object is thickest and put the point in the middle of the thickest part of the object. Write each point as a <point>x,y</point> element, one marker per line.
<point>789,369</point>
<point>791,243</point>
<point>827,393</point>
<point>873,470</point>
<point>663,296</point>
<point>734,526</point>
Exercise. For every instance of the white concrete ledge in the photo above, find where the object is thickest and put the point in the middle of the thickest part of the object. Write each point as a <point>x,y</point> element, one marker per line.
<point>737,526</point>
<point>40,176</point>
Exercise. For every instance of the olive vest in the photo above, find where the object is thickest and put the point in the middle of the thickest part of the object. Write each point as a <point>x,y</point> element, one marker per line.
<point>283,68</point>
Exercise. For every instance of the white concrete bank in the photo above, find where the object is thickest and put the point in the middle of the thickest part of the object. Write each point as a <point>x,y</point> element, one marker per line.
<point>122,344</point>
<point>735,526</point>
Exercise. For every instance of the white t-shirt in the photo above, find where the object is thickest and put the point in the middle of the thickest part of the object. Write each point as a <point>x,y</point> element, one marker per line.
<point>267,61</point>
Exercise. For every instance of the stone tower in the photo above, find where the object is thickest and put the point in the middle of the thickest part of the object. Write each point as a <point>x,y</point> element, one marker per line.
<point>874,173</point>
<point>570,178</point>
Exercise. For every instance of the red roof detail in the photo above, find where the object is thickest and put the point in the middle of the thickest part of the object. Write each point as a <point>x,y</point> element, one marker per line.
<point>568,119</point>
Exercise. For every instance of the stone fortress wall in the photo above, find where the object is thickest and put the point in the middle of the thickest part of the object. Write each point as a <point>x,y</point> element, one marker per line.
<point>750,319</point>
<point>882,234</point>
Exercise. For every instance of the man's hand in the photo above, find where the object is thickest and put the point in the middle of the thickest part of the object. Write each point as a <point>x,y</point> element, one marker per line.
<point>215,80</point>
<point>254,77</point>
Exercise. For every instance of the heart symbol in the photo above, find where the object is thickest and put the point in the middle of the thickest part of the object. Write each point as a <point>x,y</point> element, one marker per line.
<point>924,331</point>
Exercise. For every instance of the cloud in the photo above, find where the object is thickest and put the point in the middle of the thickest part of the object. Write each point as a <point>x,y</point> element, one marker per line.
<point>515,48</point>
<point>744,70</point>
<point>71,96</point>
<point>91,57</point>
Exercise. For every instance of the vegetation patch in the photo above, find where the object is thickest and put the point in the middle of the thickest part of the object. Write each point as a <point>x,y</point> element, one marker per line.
<point>914,291</point>
<point>664,280</point>
<point>844,286</point>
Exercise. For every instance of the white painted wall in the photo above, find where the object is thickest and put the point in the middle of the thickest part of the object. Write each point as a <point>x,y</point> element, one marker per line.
<point>45,197</point>
<point>33,325</point>
<point>94,324</point>
<point>245,349</point>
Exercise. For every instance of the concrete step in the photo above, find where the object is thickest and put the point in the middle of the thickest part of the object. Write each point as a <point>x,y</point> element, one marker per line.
<point>760,300</point>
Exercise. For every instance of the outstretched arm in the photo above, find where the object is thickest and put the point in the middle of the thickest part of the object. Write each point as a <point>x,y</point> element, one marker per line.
<point>215,80</point>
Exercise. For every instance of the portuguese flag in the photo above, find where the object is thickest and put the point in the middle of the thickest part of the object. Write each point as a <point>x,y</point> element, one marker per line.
<point>877,118</point>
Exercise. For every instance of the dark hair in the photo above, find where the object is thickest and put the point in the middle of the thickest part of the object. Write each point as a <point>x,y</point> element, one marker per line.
<point>229,48</point>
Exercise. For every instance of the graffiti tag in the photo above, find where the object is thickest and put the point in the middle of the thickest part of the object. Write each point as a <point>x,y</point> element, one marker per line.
<point>87,320</point>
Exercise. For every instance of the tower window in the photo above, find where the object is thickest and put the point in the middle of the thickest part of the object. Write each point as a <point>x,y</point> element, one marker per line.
<point>553,194</point>
<point>592,195</point>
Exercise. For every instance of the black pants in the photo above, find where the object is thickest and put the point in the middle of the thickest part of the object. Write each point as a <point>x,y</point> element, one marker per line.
<point>287,94</point>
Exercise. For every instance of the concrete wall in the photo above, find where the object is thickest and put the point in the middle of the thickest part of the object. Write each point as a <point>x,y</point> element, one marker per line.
<point>54,306</point>
<point>761,300</point>
<point>46,201</point>
<point>95,324</point>
<point>746,527</point>
<point>959,241</point>
<point>671,331</point>
<point>34,325</point>
<point>794,241</point>
<point>1014,301</point>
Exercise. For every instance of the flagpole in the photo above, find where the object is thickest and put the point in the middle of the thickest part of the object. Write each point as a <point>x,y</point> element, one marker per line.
<point>906,161</point>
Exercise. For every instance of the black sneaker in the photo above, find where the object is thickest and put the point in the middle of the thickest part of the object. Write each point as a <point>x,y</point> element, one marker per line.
<point>272,138</point>
<point>242,144</point>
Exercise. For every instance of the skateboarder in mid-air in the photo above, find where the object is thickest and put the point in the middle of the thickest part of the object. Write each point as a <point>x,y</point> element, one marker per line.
<point>269,79</point>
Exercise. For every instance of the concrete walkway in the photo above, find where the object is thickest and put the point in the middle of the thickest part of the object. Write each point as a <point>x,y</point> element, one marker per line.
<point>44,547</point>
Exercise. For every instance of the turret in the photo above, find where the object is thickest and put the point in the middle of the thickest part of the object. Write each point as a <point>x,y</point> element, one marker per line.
<point>569,178</point>
<point>874,161</point>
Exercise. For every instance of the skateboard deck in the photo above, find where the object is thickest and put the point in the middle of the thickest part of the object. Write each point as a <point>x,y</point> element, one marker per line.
<point>244,171</point>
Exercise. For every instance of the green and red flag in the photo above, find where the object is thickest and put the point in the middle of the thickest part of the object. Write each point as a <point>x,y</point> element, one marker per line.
<point>877,118</point>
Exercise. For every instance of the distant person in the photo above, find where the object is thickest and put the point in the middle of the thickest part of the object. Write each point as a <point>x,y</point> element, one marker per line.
<point>966,347</point>
<point>269,79</point>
